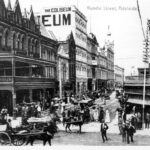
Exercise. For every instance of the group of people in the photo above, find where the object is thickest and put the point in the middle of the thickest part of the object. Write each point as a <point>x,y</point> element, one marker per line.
<point>127,129</point>
<point>3,114</point>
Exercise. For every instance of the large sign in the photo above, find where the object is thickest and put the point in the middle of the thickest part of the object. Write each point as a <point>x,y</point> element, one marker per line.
<point>56,16</point>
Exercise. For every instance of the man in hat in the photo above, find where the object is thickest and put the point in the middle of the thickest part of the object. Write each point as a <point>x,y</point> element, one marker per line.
<point>104,128</point>
<point>130,132</point>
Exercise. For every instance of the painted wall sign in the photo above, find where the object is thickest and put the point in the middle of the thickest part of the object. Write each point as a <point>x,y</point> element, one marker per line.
<point>56,19</point>
<point>56,16</point>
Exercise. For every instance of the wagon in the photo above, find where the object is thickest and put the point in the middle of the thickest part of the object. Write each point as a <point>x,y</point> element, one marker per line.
<point>21,134</point>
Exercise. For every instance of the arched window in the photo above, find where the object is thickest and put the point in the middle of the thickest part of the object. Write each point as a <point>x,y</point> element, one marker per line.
<point>36,47</point>
<point>6,39</point>
<point>32,46</point>
<point>19,42</point>
<point>14,41</point>
<point>23,43</point>
<point>29,45</point>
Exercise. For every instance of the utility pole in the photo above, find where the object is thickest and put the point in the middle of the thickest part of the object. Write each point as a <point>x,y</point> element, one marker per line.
<point>60,81</point>
<point>146,61</point>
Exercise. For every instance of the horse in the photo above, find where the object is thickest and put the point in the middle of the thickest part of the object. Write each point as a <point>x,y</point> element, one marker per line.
<point>70,121</point>
<point>45,136</point>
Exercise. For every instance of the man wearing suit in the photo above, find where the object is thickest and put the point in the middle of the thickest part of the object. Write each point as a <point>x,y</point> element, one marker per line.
<point>103,129</point>
<point>130,132</point>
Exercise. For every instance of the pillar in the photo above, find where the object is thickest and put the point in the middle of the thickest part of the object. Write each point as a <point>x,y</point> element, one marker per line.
<point>30,70</point>
<point>30,95</point>
<point>13,97</point>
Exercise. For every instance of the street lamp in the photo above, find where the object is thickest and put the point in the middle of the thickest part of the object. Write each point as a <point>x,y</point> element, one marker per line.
<point>145,60</point>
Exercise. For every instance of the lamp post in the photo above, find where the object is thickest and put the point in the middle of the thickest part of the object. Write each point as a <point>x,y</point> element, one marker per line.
<point>145,60</point>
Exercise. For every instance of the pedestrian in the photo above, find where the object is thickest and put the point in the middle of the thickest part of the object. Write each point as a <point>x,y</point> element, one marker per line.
<point>107,117</point>
<point>120,122</point>
<point>147,120</point>
<point>124,132</point>
<point>101,115</point>
<point>103,129</point>
<point>39,109</point>
<point>130,132</point>
<point>139,120</point>
<point>4,112</point>
<point>9,128</point>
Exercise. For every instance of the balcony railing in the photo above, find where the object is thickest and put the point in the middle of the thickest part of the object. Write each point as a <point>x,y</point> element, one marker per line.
<point>5,79</point>
<point>21,53</point>
<point>33,79</point>
<point>137,79</point>
<point>26,79</point>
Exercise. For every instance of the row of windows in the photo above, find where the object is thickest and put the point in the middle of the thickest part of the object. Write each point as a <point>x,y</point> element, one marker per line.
<point>48,54</point>
<point>103,62</point>
<point>50,72</point>
<point>23,44</point>
<point>81,37</point>
<point>18,41</point>
<point>80,22</point>
<point>81,53</point>
<point>81,68</point>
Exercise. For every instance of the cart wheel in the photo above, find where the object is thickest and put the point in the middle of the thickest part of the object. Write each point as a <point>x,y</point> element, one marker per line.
<point>5,139</point>
<point>18,141</point>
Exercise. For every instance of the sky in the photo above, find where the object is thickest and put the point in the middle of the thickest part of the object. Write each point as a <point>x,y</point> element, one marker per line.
<point>120,15</point>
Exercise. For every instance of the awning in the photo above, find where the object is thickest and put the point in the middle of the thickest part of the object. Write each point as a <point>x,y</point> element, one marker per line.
<point>139,101</point>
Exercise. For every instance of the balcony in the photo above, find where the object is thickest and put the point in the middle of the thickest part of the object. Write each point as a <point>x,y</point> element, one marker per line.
<point>26,79</point>
<point>21,53</point>
<point>33,79</point>
<point>137,80</point>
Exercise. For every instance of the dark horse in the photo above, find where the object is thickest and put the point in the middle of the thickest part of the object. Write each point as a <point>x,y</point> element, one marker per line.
<point>45,136</point>
<point>70,121</point>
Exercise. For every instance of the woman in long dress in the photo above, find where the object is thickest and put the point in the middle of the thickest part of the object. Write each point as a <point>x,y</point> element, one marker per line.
<point>107,118</point>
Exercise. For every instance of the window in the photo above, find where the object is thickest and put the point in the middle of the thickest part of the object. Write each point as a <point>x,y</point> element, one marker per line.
<point>29,45</point>
<point>36,47</point>
<point>6,39</point>
<point>18,42</point>
<point>23,43</point>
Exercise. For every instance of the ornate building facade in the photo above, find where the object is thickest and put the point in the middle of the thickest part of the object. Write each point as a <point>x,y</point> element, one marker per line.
<point>66,66</point>
<point>27,57</point>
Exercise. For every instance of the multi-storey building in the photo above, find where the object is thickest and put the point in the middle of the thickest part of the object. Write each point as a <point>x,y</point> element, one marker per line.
<point>92,46</point>
<point>102,69</point>
<point>109,48</point>
<point>27,57</point>
<point>62,21</point>
<point>119,76</point>
<point>66,70</point>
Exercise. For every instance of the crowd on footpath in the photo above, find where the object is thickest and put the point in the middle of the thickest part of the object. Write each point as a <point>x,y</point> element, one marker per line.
<point>34,109</point>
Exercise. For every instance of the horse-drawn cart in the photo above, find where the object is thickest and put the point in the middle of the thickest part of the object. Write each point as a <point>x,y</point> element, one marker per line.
<point>20,135</point>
